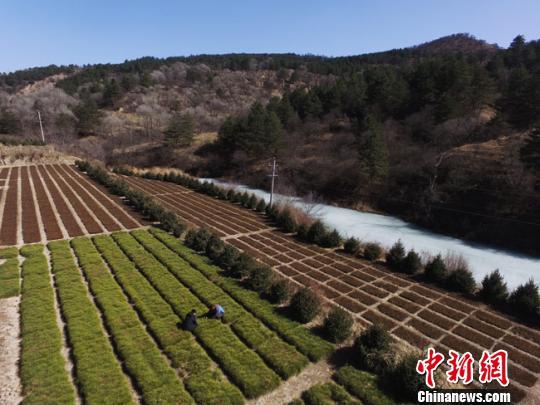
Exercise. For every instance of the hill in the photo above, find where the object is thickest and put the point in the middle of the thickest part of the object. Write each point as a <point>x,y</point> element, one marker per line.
<point>457,43</point>
<point>378,130</point>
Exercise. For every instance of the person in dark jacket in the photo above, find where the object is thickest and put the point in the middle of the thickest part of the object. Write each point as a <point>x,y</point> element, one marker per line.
<point>190,321</point>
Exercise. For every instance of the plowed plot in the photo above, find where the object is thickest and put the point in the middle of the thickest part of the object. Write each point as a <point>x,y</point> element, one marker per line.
<point>414,312</point>
<point>50,202</point>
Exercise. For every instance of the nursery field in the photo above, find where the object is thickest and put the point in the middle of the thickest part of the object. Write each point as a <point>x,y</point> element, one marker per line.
<point>416,313</point>
<point>50,202</point>
<point>108,307</point>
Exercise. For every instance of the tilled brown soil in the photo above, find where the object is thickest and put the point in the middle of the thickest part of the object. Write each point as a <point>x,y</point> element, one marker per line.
<point>416,313</point>
<point>49,202</point>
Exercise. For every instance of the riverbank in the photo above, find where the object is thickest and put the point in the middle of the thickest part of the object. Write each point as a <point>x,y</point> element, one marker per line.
<point>517,268</point>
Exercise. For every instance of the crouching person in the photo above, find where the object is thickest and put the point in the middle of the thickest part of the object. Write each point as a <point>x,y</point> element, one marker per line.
<point>216,312</point>
<point>190,321</point>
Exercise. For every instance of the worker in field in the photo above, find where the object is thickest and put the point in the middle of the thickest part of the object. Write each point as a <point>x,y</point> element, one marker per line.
<point>190,321</point>
<point>216,312</point>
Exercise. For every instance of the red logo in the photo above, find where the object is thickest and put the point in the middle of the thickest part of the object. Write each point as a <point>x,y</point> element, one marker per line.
<point>494,367</point>
<point>491,367</point>
<point>429,365</point>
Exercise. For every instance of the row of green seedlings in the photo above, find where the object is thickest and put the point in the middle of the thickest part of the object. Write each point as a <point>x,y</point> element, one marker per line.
<point>140,200</point>
<point>304,304</point>
<point>151,374</point>
<point>204,384</point>
<point>42,368</point>
<point>216,337</point>
<point>9,273</point>
<point>98,374</point>
<point>454,274</point>
<point>308,343</point>
<point>327,393</point>
<point>279,355</point>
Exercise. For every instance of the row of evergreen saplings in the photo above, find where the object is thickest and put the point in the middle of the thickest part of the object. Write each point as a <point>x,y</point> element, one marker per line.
<point>315,232</point>
<point>204,384</point>
<point>140,200</point>
<point>313,346</point>
<point>524,301</point>
<point>304,304</point>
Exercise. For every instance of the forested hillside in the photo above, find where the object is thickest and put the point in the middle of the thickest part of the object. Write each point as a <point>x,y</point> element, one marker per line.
<point>442,134</point>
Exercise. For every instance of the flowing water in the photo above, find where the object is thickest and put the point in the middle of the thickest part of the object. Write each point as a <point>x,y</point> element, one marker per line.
<point>384,229</point>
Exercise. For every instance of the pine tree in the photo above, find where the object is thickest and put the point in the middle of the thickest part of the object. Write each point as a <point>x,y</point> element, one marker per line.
<point>89,117</point>
<point>180,131</point>
<point>373,153</point>
<point>111,93</point>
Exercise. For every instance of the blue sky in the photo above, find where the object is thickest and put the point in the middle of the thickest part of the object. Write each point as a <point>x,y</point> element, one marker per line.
<point>37,33</point>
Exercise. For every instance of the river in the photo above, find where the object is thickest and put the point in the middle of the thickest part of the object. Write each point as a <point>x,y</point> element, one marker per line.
<point>384,229</point>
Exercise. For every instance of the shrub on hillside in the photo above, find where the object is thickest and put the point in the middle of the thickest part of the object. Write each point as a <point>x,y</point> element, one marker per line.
<point>302,233</point>
<point>316,232</point>
<point>286,221</point>
<point>260,279</point>
<point>170,221</point>
<point>280,291</point>
<point>214,247</point>
<point>412,263</point>
<point>494,290</point>
<point>461,280</point>
<point>395,255</point>
<point>525,300</point>
<point>374,337</point>
<point>271,212</point>
<point>198,239</point>
<point>261,206</point>
<point>351,246</point>
<point>331,239</point>
<point>228,257</point>
<point>338,325</point>
<point>372,251</point>
<point>243,266</point>
<point>244,199</point>
<point>221,194</point>
<point>372,348</point>
<point>404,380</point>
<point>252,202</point>
<point>305,305</point>
<point>436,270</point>
<point>231,195</point>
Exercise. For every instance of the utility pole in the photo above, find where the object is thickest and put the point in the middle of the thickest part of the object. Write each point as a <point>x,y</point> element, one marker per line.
<point>273,175</point>
<point>41,127</point>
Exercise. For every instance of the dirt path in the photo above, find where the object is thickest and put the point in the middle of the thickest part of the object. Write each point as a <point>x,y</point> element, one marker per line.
<point>317,373</point>
<point>10,385</point>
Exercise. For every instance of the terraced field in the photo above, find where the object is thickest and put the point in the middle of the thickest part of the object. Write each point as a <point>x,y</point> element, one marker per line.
<point>91,300</point>
<point>418,314</point>
<point>50,202</point>
<point>108,308</point>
